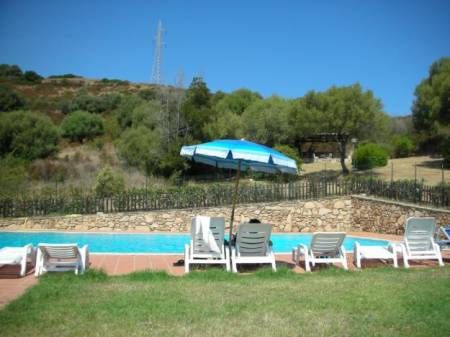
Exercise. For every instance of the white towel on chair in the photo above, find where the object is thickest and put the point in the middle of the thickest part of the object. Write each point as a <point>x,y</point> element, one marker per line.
<point>202,227</point>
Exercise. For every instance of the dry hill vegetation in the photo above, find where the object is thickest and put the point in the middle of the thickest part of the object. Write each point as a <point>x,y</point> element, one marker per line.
<point>66,130</point>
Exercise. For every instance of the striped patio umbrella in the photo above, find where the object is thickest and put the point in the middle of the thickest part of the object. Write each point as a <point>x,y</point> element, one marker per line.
<point>240,155</point>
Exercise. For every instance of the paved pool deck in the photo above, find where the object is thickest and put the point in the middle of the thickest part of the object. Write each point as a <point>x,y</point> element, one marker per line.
<point>12,286</point>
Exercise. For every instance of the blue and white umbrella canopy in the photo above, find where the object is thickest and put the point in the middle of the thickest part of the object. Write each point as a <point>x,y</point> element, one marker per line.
<point>230,154</point>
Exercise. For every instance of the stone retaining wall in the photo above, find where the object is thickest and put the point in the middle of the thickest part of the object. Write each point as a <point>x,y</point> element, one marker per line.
<point>388,217</point>
<point>337,214</point>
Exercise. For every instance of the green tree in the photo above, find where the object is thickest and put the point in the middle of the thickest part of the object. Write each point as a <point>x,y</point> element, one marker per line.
<point>431,107</point>
<point>9,100</point>
<point>265,121</point>
<point>81,125</point>
<point>225,125</point>
<point>237,101</point>
<point>10,72</point>
<point>142,148</point>
<point>27,135</point>
<point>32,76</point>
<point>345,112</point>
<point>196,107</point>
<point>147,113</point>
<point>123,111</point>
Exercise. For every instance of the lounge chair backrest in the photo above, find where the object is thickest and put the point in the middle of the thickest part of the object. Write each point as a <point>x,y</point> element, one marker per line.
<point>419,233</point>
<point>252,239</point>
<point>217,227</point>
<point>327,243</point>
<point>60,251</point>
<point>446,232</point>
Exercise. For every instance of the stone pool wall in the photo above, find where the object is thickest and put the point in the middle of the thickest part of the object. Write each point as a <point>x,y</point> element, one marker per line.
<point>388,217</point>
<point>349,213</point>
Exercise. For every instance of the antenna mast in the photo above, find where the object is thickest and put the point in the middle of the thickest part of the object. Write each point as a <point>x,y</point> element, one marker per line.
<point>157,61</point>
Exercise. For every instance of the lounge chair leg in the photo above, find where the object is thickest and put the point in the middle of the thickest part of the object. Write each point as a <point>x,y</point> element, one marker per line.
<point>186,259</point>
<point>274,266</point>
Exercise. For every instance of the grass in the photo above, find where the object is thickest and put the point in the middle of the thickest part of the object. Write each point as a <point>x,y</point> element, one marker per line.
<point>332,302</point>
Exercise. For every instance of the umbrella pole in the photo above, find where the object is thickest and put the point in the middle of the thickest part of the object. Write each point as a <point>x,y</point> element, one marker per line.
<point>235,198</point>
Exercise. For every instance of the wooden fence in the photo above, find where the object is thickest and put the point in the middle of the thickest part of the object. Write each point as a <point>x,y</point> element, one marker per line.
<point>220,195</point>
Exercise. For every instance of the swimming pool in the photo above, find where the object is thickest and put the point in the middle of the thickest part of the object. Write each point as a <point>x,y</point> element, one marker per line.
<point>161,243</point>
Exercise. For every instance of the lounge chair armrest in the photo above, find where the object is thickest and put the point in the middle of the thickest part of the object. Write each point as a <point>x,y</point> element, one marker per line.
<point>84,253</point>
<point>342,250</point>
<point>302,249</point>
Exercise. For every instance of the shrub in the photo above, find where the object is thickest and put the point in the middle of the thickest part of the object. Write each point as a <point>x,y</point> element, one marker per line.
<point>402,146</point>
<point>124,109</point>
<point>108,183</point>
<point>81,125</point>
<point>27,135</point>
<point>85,102</point>
<point>9,100</point>
<point>141,148</point>
<point>12,176</point>
<point>369,155</point>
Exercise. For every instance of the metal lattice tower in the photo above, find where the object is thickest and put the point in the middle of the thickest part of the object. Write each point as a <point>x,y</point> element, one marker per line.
<point>157,61</point>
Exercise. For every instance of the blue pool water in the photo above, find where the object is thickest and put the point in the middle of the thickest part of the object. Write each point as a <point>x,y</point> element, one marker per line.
<point>151,243</point>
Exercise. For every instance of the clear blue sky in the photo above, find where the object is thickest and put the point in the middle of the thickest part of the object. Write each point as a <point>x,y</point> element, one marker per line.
<point>273,47</point>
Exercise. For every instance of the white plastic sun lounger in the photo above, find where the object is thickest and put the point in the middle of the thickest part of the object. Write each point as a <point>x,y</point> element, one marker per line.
<point>375,252</point>
<point>61,257</point>
<point>207,243</point>
<point>253,246</point>
<point>418,242</point>
<point>325,247</point>
<point>445,243</point>
<point>17,256</point>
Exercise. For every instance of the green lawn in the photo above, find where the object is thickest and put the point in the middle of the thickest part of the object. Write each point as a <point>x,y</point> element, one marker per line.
<point>375,302</point>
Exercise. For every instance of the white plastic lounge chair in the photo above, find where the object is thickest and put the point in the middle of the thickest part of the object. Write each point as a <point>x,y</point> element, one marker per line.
<point>17,256</point>
<point>445,243</point>
<point>253,245</point>
<point>324,248</point>
<point>61,257</point>
<point>418,242</point>
<point>207,243</point>
<point>375,252</point>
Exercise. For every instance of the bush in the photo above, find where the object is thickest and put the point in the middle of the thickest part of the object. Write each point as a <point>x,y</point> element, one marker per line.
<point>370,155</point>
<point>81,125</point>
<point>85,102</point>
<point>27,135</point>
<point>12,176</point>
<point>9,100</point>
<point>108,183</point>
<point>402,146</point>
<point>141,148</point>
